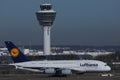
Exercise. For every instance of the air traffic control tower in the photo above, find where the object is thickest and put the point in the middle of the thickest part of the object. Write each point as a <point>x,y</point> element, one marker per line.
<point>46,17</point>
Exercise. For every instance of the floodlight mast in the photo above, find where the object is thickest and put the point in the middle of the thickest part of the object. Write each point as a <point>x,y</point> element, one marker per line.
<point>46,17</point>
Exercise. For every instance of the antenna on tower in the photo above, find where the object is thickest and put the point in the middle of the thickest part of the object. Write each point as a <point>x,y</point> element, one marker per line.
<point>46,1</point>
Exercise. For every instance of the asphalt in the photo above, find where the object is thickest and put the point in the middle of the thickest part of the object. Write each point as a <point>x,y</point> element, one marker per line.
<point>87,76</point>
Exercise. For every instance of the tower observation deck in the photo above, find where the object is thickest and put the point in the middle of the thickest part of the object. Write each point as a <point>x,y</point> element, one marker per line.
<point>46,16</point>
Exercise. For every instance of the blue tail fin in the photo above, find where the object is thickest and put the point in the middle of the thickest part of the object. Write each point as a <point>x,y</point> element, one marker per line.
<point>15,53</point>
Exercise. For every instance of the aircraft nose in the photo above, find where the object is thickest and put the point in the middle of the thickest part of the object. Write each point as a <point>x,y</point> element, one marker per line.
<point>108,68</point>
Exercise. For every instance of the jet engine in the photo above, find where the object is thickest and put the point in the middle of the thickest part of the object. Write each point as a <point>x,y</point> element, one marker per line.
<point>50,71</point>
<point>66,72</point>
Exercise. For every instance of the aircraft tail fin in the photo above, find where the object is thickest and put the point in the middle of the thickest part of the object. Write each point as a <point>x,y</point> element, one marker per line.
<point>15,53</point>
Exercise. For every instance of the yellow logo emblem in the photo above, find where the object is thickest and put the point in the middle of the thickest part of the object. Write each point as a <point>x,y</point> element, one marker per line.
<point>14,52</point>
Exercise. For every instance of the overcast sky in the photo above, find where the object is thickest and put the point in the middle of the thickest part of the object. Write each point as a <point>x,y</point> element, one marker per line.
<point>78,22</point>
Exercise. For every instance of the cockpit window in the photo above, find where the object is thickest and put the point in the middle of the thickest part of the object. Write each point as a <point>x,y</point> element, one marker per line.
<point>106,65</point>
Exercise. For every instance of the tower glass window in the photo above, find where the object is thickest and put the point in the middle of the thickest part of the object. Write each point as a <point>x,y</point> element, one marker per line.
<point>46,7</point>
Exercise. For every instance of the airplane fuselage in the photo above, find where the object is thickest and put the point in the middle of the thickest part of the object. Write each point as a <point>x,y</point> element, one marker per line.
<point>70,66</point>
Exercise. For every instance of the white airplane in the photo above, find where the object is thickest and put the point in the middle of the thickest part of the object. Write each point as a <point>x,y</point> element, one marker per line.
<point>54,67</point>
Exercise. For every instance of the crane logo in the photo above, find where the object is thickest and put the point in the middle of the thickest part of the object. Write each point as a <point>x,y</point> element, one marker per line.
<point>14,52</point>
